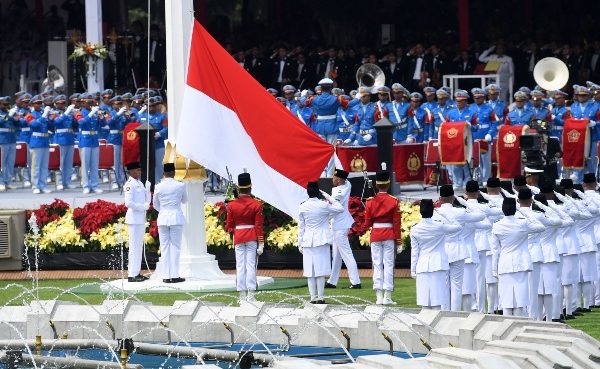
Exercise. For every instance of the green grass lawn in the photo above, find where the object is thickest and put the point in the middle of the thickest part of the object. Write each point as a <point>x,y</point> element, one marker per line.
<point>404,294</point>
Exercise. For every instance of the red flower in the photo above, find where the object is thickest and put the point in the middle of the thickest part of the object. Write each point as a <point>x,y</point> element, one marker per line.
<point>96,215</point>
<point>357,210</point>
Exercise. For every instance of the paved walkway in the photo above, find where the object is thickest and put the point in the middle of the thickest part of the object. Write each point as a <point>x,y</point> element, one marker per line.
<point>110,274</point>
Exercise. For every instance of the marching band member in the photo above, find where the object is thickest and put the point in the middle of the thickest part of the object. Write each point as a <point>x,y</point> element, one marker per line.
<point>440,113</point>
<point>499,106</point>
<point>64,137</point>
<point>486,125</point>
<point>8,138</point>
<point>116,124</point>
<point>428,258</point>
<point>416,119</point>
<point>430,105</point>
<point>39,143</point>
<point>586,108</point>
<point>366,115</point>
<point>520,115</point>
<point>397,111</point>
<point>560,112</point>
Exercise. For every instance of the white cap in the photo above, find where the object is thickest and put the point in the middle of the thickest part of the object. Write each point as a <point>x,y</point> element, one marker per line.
<point>533,171</point>
<point>326,81</point>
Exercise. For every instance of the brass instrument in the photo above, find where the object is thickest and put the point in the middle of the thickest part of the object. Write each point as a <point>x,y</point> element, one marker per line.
<point>370,76</point>
<point>551,74</point>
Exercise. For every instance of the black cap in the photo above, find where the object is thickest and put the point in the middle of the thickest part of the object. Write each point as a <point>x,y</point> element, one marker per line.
<point>340,173</point>
<point>382,177</point>
<point>168,167</point>
<point>546,186</point>
<point>244,180</point>
<point>493,182</point>
<point>589,178</point>
<point>426,208</point>
<point>132,166</point>
<point>541,198</point>
<point>446,190</point>
<point>312,189</point>
<point>507,186</point>
<point>525,194</point>
<point>472,186</point>
<point>519,181</point>
<point>509,206</point>
<point>566,183</point>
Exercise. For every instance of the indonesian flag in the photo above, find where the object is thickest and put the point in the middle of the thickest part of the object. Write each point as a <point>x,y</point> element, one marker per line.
<point>229,120</point>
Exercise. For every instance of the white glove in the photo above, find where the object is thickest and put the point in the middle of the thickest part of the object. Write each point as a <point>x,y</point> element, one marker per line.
<point>327,196</point>
<point>300,249</point>
<point>121,111</point>
<point>410,139</point>
<point>342,129</point>
<point>540,205</point>
<point>579,193</point>
<point>347,141</point>
<point>485,196</point>
<point>592,123</point>
<point>12,112</point>
<point>488,137</point>
<point>494,273</point>
<point>303,93</point>
<point>93,111</point>
<point>147,185</point>
<point>413,275</point>
<point>260,249</point>
<point>142,110</point>
<point>69,109</point>
<point>462,201</point>
<point>562,198</point>
<point>146,205</point>
<point>507,194</point>
<point>157,135</point>
<point>367,137</point>
<point>46,112</point>
<point>399,249</point>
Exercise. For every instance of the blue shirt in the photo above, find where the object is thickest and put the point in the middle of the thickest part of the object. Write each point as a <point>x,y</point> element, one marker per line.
<point>158,121</point>
<point>8,128</point>
<point>116,124</point>
<point>25,133</point>
<point>63,128</point>
<point>587,110</point>
<point>499,108</point>
<point>521,116</point>
<point>39,129</point>
<point>325,107</point>
<point>440,115</point>
<point>88,128</point>
<point>486,121</point>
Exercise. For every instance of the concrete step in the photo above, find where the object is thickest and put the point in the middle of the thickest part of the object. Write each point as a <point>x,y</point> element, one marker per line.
<point>521,360</point>
<point>563,332</point>
<point>385,362</point>
<point>442,363</point>
<point>580,351</point>
<point>550,355</point>
<point>478,359</point>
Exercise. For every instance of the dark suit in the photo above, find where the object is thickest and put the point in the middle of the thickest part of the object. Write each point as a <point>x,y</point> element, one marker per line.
<point>464,68</point>
<point>413,84</point>
<point>595,69</point>
<point>305,78</point>
<point>258,69</point>
<point>433,64</point>
<point>287,74</point>
<point>393,76</point>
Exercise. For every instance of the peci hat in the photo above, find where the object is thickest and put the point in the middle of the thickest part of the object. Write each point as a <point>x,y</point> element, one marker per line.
<point>341,173</point>
<point>519,181</point>
<point>589,178</point>
<point>547,186</point>
<point>472,186</point>
<point>566,183</point>
<point>134,165</point>
<point>446,190</point>
<point>168,167</point>
<point>525,194</point>
<point>493,182</point>
<point>244,180</point>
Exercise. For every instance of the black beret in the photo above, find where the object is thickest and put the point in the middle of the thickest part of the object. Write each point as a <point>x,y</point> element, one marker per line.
<point>493,182</point>
<point>472,186</point>
<point>519,181</point>
<point>525,194</point>
<point>446,190</point>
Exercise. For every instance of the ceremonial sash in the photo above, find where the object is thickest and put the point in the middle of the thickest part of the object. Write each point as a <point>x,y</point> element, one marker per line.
<point>396,114</point>
<point>455,143</point>
<point>576,143</point>
<point>131,144</point>
<point>508,151</point>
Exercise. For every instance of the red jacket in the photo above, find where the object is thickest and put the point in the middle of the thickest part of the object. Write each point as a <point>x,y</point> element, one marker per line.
<point>383,208</point>
<point>245,211</point>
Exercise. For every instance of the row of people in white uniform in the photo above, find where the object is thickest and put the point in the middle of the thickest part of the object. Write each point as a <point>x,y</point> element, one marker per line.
<point>510,251</point>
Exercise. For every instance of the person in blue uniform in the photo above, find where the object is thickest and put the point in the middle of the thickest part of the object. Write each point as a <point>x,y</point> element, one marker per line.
<point>159,122</point>
<point>397,110</point>
<point>440,113</point>
<point>540,110</point>
<point>365,117</point>
<point>24,133</point>
<point>560,112</point>
<point>39,144</point>
<point>89,125</point>
<point>499,106</point>
<point>116,124</point>
<point>585,107</point>
<point>415,117</point>
<point>520,115</point>
<point>486,127</point>
<point>64,137</point>
<point>288,94</point>
<point>461,113</point>
<point>429,106</point>
<point>8,138</point>
<point>345,120</point>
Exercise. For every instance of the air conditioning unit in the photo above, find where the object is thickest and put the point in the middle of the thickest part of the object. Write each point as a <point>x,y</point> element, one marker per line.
<point>12,238</point>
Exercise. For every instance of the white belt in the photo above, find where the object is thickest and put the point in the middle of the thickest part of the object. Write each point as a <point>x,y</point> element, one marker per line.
<point>557,128</point>
<point>401,126</point>
<point>64,130</point>
<point>323,117</point>
<point>7,130</point>
<point>89,133</point>
<point>114,131</point>
<point>26,129</point>
<point>484,126</point>
<point>382,225</point>
<point>244,226</point>
<point>39,134</point>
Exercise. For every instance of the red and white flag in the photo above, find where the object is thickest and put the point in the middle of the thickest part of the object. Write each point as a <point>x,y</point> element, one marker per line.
<point>228,119</point>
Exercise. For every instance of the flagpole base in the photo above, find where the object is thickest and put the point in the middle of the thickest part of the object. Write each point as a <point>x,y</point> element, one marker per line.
<point>198,267</point>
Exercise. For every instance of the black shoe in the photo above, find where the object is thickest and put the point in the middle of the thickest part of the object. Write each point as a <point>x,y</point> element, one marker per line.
<point>320,302</point>
<point>557,321</point>
<point>355,286</point>
<point>569,317</point>
<point>135,279</point>
<point>577,313</point>
<point>142,276</point>
<point>329,285</point>
<point>167,280</point>
<point>498,312</point>
<point>313,302</point>
<point>177,280</point>
<point>584,310</point>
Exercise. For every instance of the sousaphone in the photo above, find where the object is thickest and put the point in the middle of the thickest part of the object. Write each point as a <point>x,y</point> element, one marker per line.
<point>551,74</point>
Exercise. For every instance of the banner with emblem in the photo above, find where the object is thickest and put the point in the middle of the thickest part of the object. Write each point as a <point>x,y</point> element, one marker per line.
<point>131,144</point>
<point>455,143</point>
<point>508,151</point>
<point>576,143</point>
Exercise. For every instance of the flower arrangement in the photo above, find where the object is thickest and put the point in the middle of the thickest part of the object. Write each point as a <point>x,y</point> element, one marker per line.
<point>84,50</point>
<point>410,216</point>
<point>284,239</point>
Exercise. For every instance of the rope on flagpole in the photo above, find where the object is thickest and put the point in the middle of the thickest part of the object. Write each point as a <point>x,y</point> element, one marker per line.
<point>148,119</point>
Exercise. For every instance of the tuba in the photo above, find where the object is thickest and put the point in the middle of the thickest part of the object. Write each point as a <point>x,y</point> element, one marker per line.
<point>551,74</point>
<point>370,76</point>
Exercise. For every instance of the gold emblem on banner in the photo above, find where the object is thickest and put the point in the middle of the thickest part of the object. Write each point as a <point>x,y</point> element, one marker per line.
<point>131,135</point>
<point>358,164</point>
<point>573,135</point>
<point>509,139</point>
<point>413,164</point>
<point>452,133</point>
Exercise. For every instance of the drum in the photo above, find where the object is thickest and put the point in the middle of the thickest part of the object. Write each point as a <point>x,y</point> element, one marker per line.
<point>455,143</point>
<point>576,139</point>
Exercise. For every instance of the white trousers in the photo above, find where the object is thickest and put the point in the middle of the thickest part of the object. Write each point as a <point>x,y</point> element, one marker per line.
<point>480,272</point>
<point>534,282</point>
<point>136,248</point>
<point>597,283</point>
<point>382,256</point>
<point>170,248</point>
<point>316,288</point>
<point>455,280</point>
<point>342,251</point>
<point>492,297</point>
<point>245,266</point>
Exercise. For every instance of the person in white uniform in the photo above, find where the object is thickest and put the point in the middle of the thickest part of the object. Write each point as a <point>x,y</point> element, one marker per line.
<point>590,186</point>
<point>506,68</point>
<point>455,243</point>
<point>315,238</point>
<point>495,197</point>
<point>137,200</point>
<point>169,194</point>
<point>428,258</point>
<point>511,260</point>
<point>342,222</point>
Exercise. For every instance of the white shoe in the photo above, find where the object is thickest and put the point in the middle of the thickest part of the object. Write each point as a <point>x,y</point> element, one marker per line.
<point>2,187</point>
<point>71,186</point>
<point>114,186</point>
<point>379,294</point>
<point>59,188</point>
<point>104,180</point>
<point>74,177</point>
<point>48,180</point>
<point>86,190</point>
<point>45,190</point>
<point>387,298</point>
<point>250,297</point>
<point>243,297</point>
<point>97,190</point>
<point>36,191</point>
<point>26,184</point>
<point>12,187</point>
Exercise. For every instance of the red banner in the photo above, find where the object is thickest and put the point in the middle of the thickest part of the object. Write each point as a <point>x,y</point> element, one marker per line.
<point>508,152</point>
<point>576,143</point>
<point>131,144</point>
<point>408,161</point>
<point>455,143</point>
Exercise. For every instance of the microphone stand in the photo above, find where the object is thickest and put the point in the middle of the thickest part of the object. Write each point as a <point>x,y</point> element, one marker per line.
<point>366,183</point>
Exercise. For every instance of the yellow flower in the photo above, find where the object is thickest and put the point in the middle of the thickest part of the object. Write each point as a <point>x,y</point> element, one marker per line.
<point>284,236</point>
<point>107,236</point>
<point>365,238</point>
<point>60,233</point>
<point>215,233</point>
